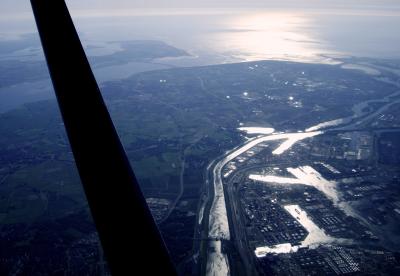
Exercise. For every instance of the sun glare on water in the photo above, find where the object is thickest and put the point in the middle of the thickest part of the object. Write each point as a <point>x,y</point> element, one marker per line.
<point>272,35</point>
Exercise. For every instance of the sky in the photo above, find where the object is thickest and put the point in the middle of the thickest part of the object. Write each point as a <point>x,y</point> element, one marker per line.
<point>300,30</point>
<point>16,9</point>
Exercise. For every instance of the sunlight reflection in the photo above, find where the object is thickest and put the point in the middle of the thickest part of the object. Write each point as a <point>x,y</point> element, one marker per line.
<point>272,35</point>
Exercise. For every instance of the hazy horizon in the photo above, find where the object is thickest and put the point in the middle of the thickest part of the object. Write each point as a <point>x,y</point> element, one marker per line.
<point>10,9</point>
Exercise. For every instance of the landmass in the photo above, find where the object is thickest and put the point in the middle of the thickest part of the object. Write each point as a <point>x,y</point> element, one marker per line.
<point>226,156</point>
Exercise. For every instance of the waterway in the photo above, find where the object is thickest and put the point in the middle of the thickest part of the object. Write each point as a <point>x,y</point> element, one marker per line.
<point>218,220</point>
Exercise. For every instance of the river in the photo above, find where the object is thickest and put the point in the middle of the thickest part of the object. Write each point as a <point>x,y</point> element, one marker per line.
<point>218,219</point>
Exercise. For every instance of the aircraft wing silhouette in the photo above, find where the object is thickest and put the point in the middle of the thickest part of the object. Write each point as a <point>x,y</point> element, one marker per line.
<point>128,233</point>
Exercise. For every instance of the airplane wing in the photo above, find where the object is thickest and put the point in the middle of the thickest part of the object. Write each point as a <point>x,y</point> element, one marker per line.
<point>127,230</point>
